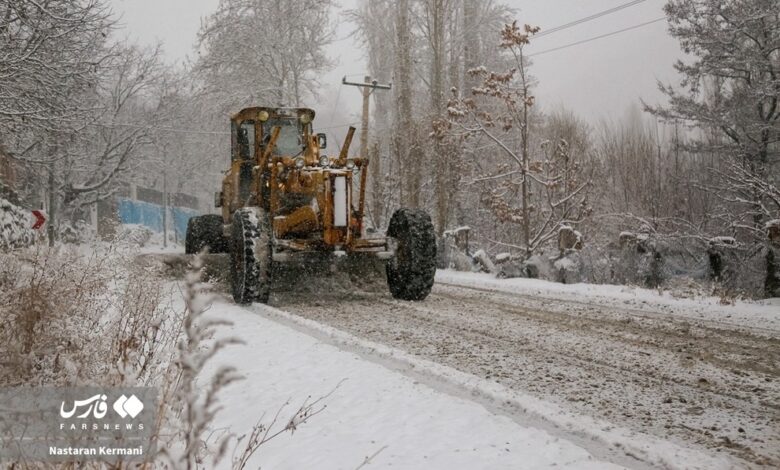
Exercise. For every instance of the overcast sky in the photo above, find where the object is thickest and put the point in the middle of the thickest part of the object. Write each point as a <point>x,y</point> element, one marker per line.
<point>599,79</point>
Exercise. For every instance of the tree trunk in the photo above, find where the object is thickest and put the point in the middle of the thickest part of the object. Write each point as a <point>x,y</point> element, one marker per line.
<point>405,138</point>
<point>437,95</point>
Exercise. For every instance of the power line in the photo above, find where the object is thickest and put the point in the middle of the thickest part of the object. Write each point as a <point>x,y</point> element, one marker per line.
<point>588,18</point>
<point>597,37</point>
<point>160,128</point>
<point>196,131</point>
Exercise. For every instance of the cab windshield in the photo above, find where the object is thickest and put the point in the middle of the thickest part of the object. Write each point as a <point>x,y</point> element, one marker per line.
<point>290,141</point>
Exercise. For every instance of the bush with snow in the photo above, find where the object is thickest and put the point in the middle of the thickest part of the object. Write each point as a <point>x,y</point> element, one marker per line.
<point>568,268</point>
<point>15,226</point>
<point>71,317</point>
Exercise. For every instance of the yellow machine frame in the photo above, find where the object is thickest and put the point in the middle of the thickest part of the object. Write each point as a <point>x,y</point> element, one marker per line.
<point>275,177</point>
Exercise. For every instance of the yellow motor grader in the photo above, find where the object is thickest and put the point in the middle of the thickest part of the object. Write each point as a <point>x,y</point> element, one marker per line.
<point>284,200</point>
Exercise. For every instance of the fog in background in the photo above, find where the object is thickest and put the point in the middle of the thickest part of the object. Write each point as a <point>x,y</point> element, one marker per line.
<point>601,79</point>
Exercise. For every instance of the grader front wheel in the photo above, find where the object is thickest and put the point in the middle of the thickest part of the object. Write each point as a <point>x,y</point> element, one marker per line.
<point>411,271</point>
<point>250,254</point>
<point>205,231</point>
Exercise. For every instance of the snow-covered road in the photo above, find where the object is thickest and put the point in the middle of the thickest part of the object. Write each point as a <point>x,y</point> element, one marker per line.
<point>668,370</point>
<point>371,409</point>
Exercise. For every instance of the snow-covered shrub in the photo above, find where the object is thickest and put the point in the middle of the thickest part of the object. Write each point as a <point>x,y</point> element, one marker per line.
<point>745,272</point>
<point>568,268</point>
<point>15,226</point>
<point>539,267</point>
<point>772,280</point>
<point>453,248</point>
<point>75,318</point>
<point>483,260</point>
<point>77,233</point>
<point>144,330</point>
<point>627,262</point>
<point>535,267</point>
<point>51,315</point>
<point>503,257</point>
<point>642,260</point>
<point>597,263</point>
<point>512,269</point>
<point>460,261</point>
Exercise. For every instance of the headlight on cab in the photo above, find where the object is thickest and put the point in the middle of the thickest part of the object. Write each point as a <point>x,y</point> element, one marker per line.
<point>324,160</point>
<point>299,162</point>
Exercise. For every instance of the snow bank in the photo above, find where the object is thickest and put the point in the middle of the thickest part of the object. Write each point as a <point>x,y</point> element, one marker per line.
<point>761,315</point>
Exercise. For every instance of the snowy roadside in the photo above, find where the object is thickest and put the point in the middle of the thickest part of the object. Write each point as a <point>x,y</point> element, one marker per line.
<point>759,315</point>
<point>394,400</point>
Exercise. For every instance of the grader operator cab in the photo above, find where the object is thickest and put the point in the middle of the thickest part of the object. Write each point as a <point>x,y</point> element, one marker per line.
<point>284,200</point>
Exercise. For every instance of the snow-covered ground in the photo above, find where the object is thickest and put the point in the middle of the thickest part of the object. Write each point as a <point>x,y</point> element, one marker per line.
<point>372,408</point>
<point>418,413</point>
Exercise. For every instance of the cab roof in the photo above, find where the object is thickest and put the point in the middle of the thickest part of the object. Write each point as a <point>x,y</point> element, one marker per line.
<point>249,113</point>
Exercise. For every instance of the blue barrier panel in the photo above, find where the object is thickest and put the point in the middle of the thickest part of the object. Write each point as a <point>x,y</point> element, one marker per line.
<point>139,212</point>
<point>151,215</point>
<point>182,215</point>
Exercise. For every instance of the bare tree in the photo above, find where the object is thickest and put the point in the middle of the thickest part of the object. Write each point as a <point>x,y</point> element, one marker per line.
<point>424,50</point>
<point>109,143</point>
<point>503,116</point>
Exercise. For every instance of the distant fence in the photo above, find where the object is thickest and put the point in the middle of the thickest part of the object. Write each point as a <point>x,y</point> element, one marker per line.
<point>150,215</point>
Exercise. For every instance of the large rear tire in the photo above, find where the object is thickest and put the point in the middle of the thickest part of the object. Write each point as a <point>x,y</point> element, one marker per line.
<point>411,271</point>
<point>250,255</point>
<point>205,231</point>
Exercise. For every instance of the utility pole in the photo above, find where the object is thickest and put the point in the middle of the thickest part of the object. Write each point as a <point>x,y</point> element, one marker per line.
<point>165,209</point>
<point>366,89</point>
